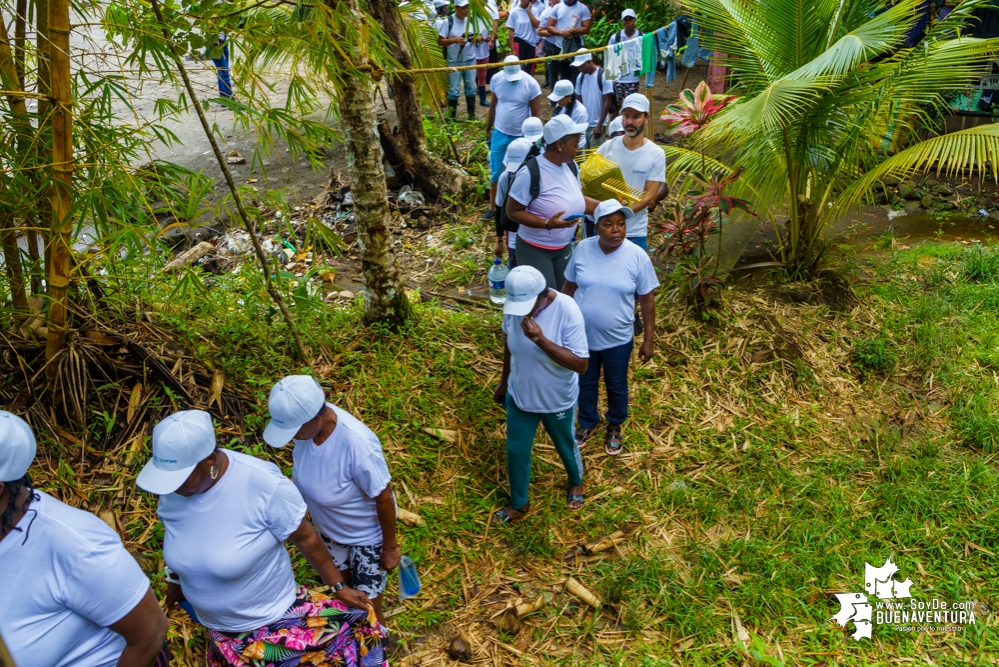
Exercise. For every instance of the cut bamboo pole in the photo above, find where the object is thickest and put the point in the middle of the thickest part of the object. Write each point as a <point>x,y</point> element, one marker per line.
<point>581,592</point>
<point>60,261</point>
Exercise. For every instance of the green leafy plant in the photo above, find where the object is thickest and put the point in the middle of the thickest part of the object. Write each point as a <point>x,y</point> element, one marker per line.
<point>874,355</point>
<point>799,70</point>
<point>981,265</point>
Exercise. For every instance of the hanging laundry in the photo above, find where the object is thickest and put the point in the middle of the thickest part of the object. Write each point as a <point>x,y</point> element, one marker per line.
<point>615,63</point>
<point>694,50</point>
<point>650,53</point>
<point>633,54</point>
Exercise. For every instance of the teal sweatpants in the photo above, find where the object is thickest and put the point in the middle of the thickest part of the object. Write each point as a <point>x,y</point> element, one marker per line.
<point>521,428</point>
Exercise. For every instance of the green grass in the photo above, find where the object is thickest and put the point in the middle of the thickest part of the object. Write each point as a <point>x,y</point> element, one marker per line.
<point>760,487</point>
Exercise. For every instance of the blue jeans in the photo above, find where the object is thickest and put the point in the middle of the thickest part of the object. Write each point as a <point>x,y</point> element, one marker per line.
<point>222,69</point>
<point>641,241</point>
<point>497,151</point>
<point>455,79</point>
<point>615,362</point>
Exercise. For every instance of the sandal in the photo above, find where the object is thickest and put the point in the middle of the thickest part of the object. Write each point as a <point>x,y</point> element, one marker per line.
<point>613,444</point>
<point>574,498</point>
<point>583,434</point>
<point>502,517</point>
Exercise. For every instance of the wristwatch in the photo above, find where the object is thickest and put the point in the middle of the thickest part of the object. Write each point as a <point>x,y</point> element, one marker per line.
<point>337,586</point>
<point>547,221</point>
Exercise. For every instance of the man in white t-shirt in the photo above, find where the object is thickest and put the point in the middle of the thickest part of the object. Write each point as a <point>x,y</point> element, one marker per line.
<point>460,42</point>
<point>548,45</point>
<point>544,354</point>
<point>642,162</point>
<point>626,84</point>
<point>596,94</point>
<point>522,31</point>
<point>568,22</point>
<point>341,471</point>
<point>516,96</point>
<point>71,596</point>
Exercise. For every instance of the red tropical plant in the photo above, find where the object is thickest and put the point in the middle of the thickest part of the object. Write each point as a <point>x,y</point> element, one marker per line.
<point>693,110</point>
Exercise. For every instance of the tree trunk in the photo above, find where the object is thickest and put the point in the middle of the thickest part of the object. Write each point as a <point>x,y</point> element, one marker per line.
<point>59,264</point>
<point>430,174</point>
<point>384,298</point>
<point>43,201</point>
<point>20,23</point>
<point>12,258</point>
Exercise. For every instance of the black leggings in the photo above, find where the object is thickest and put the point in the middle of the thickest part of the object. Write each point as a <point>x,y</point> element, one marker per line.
<point>551,263</point>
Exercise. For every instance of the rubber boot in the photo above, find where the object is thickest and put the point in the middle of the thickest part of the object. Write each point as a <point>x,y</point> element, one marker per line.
<point>453,108</point>
<point>483,100</point>
<point>470,103</point>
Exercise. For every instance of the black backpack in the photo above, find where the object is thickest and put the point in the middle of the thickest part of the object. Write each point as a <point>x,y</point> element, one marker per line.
<point>531,163</point>
<point>600,81</point>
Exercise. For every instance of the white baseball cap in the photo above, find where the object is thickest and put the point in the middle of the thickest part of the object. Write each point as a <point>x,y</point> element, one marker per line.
<point>636,101</point>
<point>17,447</point>
<point>295,400</point>
<point>180,442</point>
<point>609,206</point>
<point>511,67</point>
<point>461,3</point>
<point>533,128</point>
<point>440,3</point>
<point>523,285</point>
<point>616,125</point>
<point>516,153</point>
<point>562,88</point>
<point>561,126</point>
<point>581,57</point>
<point>628,12</point>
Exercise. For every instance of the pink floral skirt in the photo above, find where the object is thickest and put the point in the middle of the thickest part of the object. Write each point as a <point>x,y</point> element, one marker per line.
<point>316,630</point>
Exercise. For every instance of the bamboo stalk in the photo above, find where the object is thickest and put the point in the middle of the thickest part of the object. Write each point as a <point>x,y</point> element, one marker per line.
<point>20,23</point>
<point>581,592</point>
<point>236,196</point>
<point>43,205</point>
<point>59,264</point>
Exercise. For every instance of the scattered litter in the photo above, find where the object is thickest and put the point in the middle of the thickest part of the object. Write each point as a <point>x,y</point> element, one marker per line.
<point>346,294</point>
<point>235,158</point>
<point>237,242</point>
<point>897,214</point>
<point>348,199</point>
<point>411,197</point>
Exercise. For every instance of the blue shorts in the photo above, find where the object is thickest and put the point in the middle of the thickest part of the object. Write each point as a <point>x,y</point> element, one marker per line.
<point>497,152</point>
<point>641,241</point>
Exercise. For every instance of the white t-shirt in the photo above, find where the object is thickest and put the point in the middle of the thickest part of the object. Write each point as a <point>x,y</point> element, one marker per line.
<point>538,384</point>
<point>66,577</point>
<point>587,88</point>
<point>648,163</point>
<point>563,15</point>
<point>608,285</point>
<point>227,544</point>
<point>502,190</point>
<point>456,52</point>
<point>546,12</point>
<point>620,37</point>
<point>560,191</point>
<point>579,115</point>
<point>513,102</point>
<point>339,480</point>
<point>520,23</point>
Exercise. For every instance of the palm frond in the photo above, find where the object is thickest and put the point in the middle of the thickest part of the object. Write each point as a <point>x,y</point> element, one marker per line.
<point>681,162</point>
<point>421,38</point>
<point>976,148</point>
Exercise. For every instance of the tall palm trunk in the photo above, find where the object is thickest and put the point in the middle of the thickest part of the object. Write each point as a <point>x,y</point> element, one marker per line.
<point>59,263</point>
<point>43,202</point>
<point>384,298</point>
<point>431,175</point>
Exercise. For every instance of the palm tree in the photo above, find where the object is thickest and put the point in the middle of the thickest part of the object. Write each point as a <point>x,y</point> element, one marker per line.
<point>826,92</point>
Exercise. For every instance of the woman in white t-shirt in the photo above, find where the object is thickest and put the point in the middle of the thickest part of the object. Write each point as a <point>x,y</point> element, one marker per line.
<point>566,102</point>
<point>226,516</point>
<point>605,275</point>
<point>71,594</point>
<point>548,220</point>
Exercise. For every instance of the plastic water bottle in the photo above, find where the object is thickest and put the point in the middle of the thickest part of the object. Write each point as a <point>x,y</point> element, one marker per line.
<point>497,281</point>
<point>409,580</point>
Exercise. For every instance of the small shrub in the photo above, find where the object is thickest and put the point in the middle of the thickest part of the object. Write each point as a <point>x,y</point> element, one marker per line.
<point>981,265</point>
<point>874,355</point>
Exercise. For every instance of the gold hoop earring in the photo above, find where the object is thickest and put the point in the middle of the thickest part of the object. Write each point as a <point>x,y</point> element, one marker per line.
<point>213,473</point>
